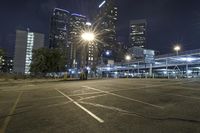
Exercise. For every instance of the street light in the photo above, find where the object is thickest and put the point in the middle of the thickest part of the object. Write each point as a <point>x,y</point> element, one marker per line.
<point>177,48</point>
<point>107,53</point>
<point>88,36</point>
<point>128,58</point>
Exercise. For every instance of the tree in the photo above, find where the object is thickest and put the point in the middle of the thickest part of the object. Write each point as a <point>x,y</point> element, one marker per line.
<point>48,60</point>
<point>39,61</point>
<point>2,54</point>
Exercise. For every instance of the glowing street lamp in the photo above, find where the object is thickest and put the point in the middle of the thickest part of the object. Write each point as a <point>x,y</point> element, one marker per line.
<point>177,48</point>
<point>107,53</point>
<point>88,36</point>
<point>128,58</point>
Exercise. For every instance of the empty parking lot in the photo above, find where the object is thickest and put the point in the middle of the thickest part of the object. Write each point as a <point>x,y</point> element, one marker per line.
<point>100,106</point>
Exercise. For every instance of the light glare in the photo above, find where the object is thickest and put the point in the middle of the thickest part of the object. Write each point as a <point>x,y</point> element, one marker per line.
<point>107,53</point>
<point>88,23</point>
<point>128,57</point>
<point>177,48</point>
<point>88,36</point>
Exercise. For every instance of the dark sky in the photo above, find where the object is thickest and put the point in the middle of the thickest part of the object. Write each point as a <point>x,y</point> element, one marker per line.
<point>169,21</point>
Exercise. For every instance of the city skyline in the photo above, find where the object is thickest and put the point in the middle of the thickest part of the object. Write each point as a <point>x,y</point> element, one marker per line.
<point>99,66</point>
<point>169,22</point>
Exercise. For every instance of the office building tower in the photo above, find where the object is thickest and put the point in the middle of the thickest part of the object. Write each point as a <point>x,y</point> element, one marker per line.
<point>93,55</point>
<point>59,28</point>
<point>77,26</point>
<point>137,34</point>
<point>106,21</point>
<point>6,64</point>
<point>25,43</point>
<point>91,48</point>
<point>59,32</point>
<point>65,33</point>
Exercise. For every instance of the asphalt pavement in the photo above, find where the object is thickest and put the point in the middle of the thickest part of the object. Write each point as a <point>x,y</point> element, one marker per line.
<point>101,106</point>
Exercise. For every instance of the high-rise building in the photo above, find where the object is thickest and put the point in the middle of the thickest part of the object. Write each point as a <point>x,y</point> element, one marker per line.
<point>59,28</point>
<point>77,25</point>
<point>59,32</point>
<point>106,21</point>
<point>6,64</point>
<point>65,32</point>
<point>25,43</point>
<point>137,34</point>
<point>92,55</point>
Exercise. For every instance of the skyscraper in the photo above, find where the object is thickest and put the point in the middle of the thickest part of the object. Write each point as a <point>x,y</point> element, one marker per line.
<point>26,41</point>
<point>59,28</point>
<point>77,25</point>
<point>137,34</point>
<point>93,55</point>
<point>106,21</point>
<point>65,32</point>
<point>59,32</point>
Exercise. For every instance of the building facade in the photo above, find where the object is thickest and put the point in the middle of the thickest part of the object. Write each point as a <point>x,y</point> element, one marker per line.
<point>77,25</point>
<point>6,64</point>
<point>65,32</point>
<point>59,28</point>
<point>106,21</point>
<point>93,55</point>
<point>25,43</point>
<point>137,35</point>
<point>59,32</point>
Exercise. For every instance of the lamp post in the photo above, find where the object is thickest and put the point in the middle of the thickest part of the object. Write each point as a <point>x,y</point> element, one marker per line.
<point>88,37</point>
<point>177,48</point>
<point>128,58</point>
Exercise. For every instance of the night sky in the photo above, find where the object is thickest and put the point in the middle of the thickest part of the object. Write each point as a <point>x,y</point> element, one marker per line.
<point>169,21</point>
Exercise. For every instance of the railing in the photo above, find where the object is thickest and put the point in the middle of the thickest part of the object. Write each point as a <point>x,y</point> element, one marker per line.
<point>166,60</point>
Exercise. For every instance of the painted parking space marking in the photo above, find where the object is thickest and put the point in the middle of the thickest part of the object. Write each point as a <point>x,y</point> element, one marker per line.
<point>92,97</point>
<point>178,95</point>
<point>131,99</point>
<point>105,107</point>
<point>80,106</point>
<point>82,94</point>
<point>8,118</point>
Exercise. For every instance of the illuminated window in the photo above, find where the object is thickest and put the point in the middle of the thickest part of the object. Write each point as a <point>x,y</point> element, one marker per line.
<point>29,48</point>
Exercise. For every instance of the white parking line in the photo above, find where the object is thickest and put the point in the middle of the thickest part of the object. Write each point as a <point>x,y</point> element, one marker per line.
<point>92,97</point>
<point>105,107</point>
<point>82,94</point>
<point>8,118</point>
<point>178,95</point>
<point>30,85</point>
<point>83,108</point>
<point>131,99</point>
<point>169,94</point>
